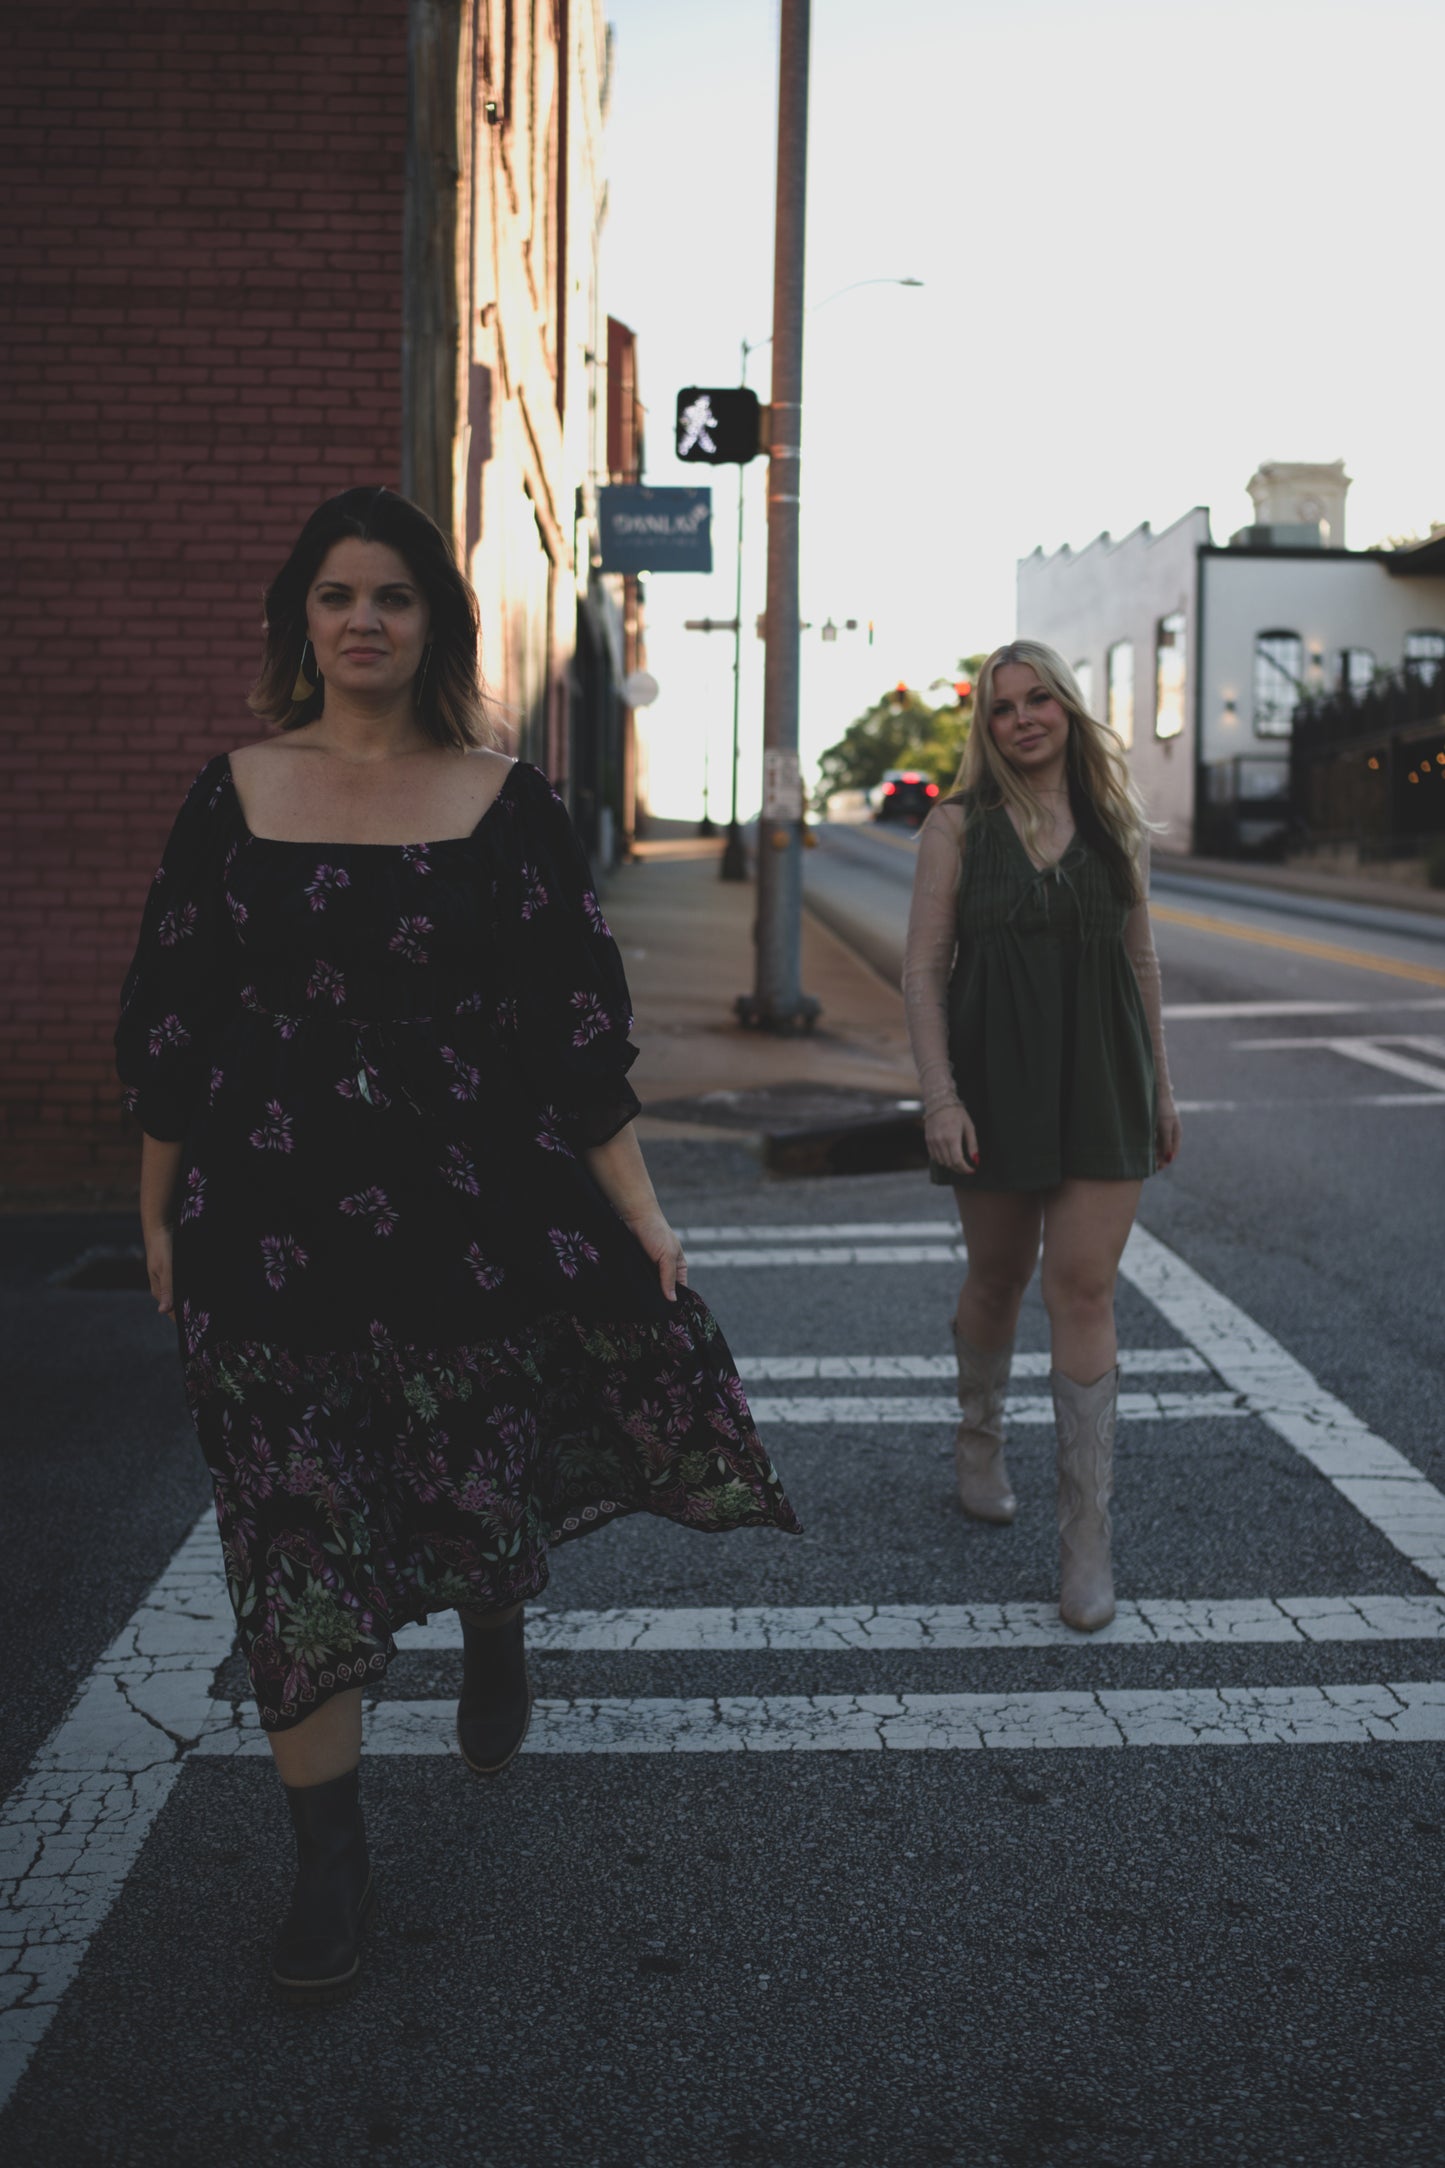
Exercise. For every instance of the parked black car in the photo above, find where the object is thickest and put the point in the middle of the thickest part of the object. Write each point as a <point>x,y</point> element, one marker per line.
<point>903,795</point>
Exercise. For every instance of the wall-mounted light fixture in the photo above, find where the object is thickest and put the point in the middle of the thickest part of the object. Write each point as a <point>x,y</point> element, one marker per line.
<point>1231,710</point>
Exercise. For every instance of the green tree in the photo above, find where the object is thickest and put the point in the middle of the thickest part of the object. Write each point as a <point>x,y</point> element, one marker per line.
<point>901,730</point>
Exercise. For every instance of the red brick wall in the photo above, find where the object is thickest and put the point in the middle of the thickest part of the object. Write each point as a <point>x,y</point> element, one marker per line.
<point>204,216</point>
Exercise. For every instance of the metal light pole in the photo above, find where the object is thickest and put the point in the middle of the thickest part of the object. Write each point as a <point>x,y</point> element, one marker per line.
<point>777,1002</point>
<point>734,865</point>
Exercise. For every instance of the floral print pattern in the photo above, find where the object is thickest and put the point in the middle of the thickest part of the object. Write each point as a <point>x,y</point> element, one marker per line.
<point>419,1346</point>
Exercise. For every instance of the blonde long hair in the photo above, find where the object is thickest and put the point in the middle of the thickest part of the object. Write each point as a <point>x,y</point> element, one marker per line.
<point>1108,811</point>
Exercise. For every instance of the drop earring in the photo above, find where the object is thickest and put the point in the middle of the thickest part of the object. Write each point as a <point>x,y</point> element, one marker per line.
<point>302,690</point>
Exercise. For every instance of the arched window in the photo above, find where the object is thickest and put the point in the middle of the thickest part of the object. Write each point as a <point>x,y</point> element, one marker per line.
<point>1169,637</point>
<point>1279,661</point>
<point>1121,690</point>
<point>1424,656</point>
<point>1084,679</point>
<point>1354,672</point>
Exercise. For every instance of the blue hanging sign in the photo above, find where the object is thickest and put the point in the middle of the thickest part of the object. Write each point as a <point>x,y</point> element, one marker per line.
<point>655,530</point>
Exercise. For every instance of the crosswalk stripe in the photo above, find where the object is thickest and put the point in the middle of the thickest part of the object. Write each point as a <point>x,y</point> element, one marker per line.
<point>1390,1492</point>
<point>1411,1713</point>
<point>1162,1362</point>
<point>885,1629</point>
<point>892,1408</point>
<point>879,1253</point>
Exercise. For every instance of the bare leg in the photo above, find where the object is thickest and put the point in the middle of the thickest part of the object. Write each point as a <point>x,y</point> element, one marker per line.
<point>1001,1228</point>
<point>322,1746</point>
<point>1086,1225</point>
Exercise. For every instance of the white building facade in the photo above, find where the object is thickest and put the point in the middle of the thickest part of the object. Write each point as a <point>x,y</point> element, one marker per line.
<point>1197,652</point>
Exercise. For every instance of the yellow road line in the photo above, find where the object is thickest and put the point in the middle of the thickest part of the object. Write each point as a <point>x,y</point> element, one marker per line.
<point>1326,951</point>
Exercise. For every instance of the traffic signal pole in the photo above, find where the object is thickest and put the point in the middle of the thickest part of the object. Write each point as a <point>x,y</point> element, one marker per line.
<point>778,1002</point>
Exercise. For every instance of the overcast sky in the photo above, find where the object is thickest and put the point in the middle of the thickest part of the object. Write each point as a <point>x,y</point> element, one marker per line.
<point>1161,241</point>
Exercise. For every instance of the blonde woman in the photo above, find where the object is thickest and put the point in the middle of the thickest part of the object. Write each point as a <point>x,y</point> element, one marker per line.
<point>1033,1001</point>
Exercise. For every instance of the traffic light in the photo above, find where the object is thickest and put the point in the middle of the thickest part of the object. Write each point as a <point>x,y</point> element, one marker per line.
<point>721,428</point>
<point>964,688</point>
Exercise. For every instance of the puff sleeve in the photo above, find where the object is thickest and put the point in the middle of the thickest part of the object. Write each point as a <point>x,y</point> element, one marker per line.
<point>573,1012</point>
<point>173,992</point>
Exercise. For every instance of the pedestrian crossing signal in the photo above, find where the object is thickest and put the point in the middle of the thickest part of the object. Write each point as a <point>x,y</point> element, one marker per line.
<point>721,428</point>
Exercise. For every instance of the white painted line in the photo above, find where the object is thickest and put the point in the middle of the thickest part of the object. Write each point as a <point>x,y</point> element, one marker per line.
<point>880,1408</point>
<point>1199,1012</point>
<point>1412,1712</point>
<point>73,1830</point>
<point>1369,1051</point>
<point>1406,1509</point>
<point>1163,1362</point>
<point>838,1231</point>
<point>1318,1101</point>
<point>937,1253</point>
<point>925,1629</point>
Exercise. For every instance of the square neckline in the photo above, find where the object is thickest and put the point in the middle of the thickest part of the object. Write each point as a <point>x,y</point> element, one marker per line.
<point>293,843</point>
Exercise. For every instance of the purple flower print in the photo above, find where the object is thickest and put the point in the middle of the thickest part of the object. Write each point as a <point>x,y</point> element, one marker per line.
<point>592,1018</point>
<point>592,912</point>
<point>327,882</point>
<point>218,1078</point>
<point>506,1017</point>
<point>408,939</point>
<point>279,1255</point>
<point>415,856</point>
<point>573,1251</point>
<point>274,1134</point>
<point>457,1169</point>
<point>534,895</point>
<point>326,983</point>
<point>130,1098</point>
<point>170,1031</point>
<point>195,1324</point>
<point>470,1005</point>
<point>366,1084</point>
<point>177,925</point>
<point>550,1137</point>
<point>373,1205</point>
<point>194,1202</point>
<point>237,909</point>
<point>465,1078</point>
<point>483,1271</point>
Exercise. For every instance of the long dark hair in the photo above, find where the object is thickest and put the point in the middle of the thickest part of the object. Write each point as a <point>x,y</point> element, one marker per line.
<point>449,700</point>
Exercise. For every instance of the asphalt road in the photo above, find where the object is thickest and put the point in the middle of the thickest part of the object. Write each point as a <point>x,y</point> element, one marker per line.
<point>841,1853</point>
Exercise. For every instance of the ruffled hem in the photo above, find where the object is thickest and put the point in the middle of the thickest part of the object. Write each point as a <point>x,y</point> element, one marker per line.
<point>361,1489</point>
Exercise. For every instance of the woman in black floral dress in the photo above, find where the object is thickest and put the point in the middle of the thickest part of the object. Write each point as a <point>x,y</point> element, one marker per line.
<point>432,1319</point>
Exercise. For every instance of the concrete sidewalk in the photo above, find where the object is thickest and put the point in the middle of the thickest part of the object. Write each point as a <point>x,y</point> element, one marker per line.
<point>687,941</point>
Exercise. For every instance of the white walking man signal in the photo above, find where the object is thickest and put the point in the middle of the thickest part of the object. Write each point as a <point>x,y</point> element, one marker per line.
<point>695,426</point>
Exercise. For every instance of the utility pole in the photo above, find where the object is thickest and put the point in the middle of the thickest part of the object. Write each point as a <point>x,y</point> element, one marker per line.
<point>777,1002</point>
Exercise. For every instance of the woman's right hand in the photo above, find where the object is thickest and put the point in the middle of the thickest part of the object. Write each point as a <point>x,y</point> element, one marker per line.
<point>951,1141</point>
<point>158,1246</point>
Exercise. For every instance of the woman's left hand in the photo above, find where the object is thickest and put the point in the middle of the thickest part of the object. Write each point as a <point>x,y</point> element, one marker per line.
<point>663,1247</point>
<point>1167,1134</point>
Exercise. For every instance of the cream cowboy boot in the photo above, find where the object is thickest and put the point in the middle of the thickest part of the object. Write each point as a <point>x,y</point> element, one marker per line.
<point>984,1489</point>
<point>1084,1416</point>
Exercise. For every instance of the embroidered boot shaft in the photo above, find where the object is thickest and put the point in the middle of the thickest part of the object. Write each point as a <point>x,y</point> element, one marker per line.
<point>1085,1417</point>
<point>984,1489</point>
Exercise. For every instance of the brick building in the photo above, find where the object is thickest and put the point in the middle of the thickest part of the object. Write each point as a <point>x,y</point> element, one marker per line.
<point>258,254</point>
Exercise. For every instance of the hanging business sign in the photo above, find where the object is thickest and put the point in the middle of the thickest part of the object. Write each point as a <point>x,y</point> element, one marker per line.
<point>655,530</point>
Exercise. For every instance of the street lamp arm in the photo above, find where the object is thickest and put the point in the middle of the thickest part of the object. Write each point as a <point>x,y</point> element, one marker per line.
<point>755,346</point>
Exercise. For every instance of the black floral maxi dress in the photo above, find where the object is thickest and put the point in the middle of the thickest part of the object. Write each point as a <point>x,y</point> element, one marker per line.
<point>418,1343</point>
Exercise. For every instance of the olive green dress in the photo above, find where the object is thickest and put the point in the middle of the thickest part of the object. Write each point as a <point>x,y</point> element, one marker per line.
<point>1047,1034</point>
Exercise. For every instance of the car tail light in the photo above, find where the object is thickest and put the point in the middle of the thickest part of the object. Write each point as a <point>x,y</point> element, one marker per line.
<point>888,789</point>
<point>933,790</point>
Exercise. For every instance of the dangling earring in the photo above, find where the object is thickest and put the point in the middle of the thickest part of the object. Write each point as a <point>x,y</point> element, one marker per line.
<point>302,690</point>
<point>420,686</point>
